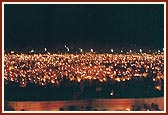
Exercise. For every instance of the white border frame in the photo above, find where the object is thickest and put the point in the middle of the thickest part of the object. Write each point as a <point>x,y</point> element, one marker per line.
<point>3,3</point>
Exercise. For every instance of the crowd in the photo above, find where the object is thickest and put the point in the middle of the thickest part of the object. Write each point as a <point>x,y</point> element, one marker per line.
<point>61,69</point>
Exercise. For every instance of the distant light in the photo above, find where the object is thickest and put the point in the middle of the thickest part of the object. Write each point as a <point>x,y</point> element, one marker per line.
<point>158,87</point>
<point>121,51</point>
<point>67,49</point>
<point>91,50</point>
<point>81,50</point>
<point>12,52</point>
<point>159,51</point>
<point>130,50</point>
<point>149,50</point>
<point>154,79</point>
<point>111,93</point>
<point>112,50</point>
<point>45,49</point>
<point>32,51</point>
<point>140,50</point>
<point>163,49</point>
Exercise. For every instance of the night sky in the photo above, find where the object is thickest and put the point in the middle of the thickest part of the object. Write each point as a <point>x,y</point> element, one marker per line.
<point>86,26</point>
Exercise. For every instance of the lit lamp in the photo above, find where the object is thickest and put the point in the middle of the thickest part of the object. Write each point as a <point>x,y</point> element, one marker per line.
<point>112,50</point>
<point>67,48</point>
<point>80,50</point>
<point>12,52</point>
<point>32,51</point>
<point>45,49</point>
<point>140,50</point>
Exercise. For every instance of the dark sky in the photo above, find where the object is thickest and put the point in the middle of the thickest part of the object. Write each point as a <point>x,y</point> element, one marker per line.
<point>87,26</point>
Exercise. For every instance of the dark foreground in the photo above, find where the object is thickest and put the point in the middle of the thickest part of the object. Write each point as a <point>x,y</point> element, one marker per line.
<point>122,104</point>
<point>131,89</point>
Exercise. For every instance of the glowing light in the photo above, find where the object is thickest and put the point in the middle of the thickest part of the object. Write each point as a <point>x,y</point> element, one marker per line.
<point>67,49</point>
<point>123,80</point>
<point>111,93</point>
<point>154,79</point>
<point>52,81</point>
<point>48,68</point>
<point>112,50</point>
<point>158,87</point>
<point>140,50</point>
<point>128,78</point>
<point>32,51</point>
<point>117,79</point>
<point>45,49</point>
<point>78,79</point>
<point>81,50</point>
<point>91,50</point>
<point>12,52</point>
<point>88,77</point>
<point>10,68</point>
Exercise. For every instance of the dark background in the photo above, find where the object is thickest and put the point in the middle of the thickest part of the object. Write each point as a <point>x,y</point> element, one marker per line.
<point>100,27</point>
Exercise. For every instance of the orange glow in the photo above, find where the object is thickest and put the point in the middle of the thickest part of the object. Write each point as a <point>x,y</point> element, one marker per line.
<point>76,67</point>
